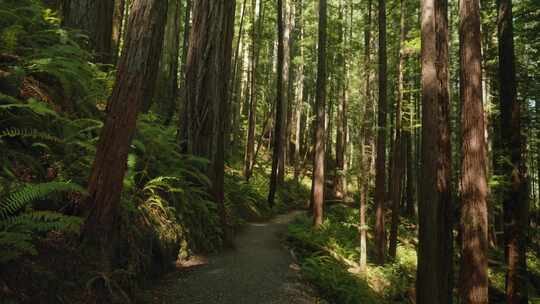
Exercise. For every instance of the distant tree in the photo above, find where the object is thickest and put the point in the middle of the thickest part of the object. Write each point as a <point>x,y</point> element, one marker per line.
<point>94,18</point>
<point>380,171</point>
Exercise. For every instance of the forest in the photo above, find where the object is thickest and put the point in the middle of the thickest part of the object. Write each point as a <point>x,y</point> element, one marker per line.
<point>270,151</point>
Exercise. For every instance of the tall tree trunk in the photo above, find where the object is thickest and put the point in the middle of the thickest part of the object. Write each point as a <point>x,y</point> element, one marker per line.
<point>286,43</point>
<point>474,189</point>
<point>516,198</point>
<point>207,73</point>
<point>341,121</point>
<point>434,284</point>
<point>135,79</point>
<point>317,187</point>
<point>95,18</point>
<point>398,159</point>
<point>167,80</point>
<point>300,96</point>
<point>280,105</point>
<point>380,174</point>
<point>183,107</point>
<point>250,143</point>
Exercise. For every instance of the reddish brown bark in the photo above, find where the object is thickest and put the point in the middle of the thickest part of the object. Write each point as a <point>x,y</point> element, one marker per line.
<point>207,73</point>
<point>380,171</point>
<point>280,105</point>
<point>135,78</point>
<point>515,199</point>
<point>474,189</point>
<point>317,187</point>
<point>94,18</point>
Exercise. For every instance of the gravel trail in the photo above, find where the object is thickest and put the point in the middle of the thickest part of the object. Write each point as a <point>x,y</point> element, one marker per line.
<point>260,270</point>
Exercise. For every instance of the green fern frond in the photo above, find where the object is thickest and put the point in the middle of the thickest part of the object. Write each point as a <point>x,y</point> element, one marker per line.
<point>29,133</point>
<point>42,221</point>
<point>29,193</point>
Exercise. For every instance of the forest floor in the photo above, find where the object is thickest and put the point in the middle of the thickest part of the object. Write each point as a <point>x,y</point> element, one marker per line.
<point>260,269</point>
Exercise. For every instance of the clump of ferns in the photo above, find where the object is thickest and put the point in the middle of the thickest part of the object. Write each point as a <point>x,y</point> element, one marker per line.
<point>22,219</point>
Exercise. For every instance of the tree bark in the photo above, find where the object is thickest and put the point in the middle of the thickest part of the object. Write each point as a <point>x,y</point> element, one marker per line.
<point>434,279</point>
<point>380,174</point>
<point>117,27</point>
<point>515,197</point>
<point>207,73</point>
<point>167,80</point>
<point>398,159</point>
<point>474,189</point>
<point>280,105</point>
<point>250,143</point>
<point>135,79</point>
<point>317,187</point>
<point>94,18</point>
<point>367,141</point>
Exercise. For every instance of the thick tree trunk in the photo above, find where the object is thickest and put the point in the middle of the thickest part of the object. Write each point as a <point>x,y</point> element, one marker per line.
<point>207,73</point>
<point>516,199</point>
<point>280,105</point>
<point>167,82</point>
<point>317,187</point>
<point>474,189</point>
<point>135,79</point>
<point>94,18</point>
<point>434,283</point>
<point>380,174</point>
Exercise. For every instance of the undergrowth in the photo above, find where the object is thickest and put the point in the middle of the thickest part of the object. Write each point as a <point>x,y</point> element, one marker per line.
<point>329,258</point>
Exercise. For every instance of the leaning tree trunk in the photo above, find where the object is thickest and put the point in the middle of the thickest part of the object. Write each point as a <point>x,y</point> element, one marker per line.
<point>380,174</point>
<point>474,189</point>
<point>516,199</point>
<point>94,18</point>
<point>117,27</point>
<point>434,283</point>
<point>317,187</point>
<point>135,78</point>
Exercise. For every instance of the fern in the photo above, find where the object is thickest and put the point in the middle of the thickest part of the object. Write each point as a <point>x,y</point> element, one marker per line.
<point>29,133</point>
<point>29,193</point>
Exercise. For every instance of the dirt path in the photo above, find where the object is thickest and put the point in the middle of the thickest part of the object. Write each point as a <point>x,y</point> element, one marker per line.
<point>259,271</point>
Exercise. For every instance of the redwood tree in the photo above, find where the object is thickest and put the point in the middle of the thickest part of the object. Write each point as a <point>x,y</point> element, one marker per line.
<point>434,280</point>
<point>95,19</point>
<point>515,199</point>
<point>207,73</point>
<point>280,106</point>
<point>474,189</point>
<point>135,78</point>
<point>317,187</point>
<point>380,171</point>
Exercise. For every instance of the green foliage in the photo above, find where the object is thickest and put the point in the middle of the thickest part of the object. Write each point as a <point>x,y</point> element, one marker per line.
<point>19,222</point>
<point>331,254</point>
